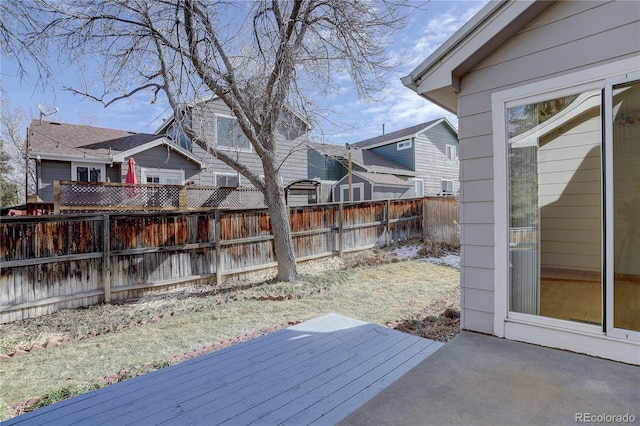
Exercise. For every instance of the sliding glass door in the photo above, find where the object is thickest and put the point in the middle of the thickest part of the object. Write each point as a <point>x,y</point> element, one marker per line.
<point>574,208</point>
<point>625,189</point>
<point>555,191</point>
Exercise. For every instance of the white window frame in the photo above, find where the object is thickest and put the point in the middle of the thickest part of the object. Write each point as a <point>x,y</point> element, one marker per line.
<point>404,145</point>
<point>235,175</point>
<point>344,187</point>
<point>451,152</point>
<point>418,182</point>
<point>76,164</point>
<point>162,173</point>
<point>225,147</point>
<point>530,328</point>
<point>453,186</point>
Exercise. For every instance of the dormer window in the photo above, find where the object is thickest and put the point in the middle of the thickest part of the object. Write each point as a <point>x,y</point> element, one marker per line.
<point>229,134</point>
<point>178,136</point>
<point>403,145</point>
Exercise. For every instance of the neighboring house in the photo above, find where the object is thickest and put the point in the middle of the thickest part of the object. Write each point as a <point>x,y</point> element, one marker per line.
<point>413,162</point>
<point>63,151</point>
<point>430,150</point>
<point>374,177</point>
<point>548,100</point>
<point>212,118</point>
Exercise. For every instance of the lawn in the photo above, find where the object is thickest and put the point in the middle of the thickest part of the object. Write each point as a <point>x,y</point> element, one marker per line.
<point>89,348</point>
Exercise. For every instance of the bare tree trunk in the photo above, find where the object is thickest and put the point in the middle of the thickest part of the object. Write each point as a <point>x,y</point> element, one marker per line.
<point>279,213</point>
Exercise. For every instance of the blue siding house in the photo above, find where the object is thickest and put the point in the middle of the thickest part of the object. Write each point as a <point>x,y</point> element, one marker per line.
<point>417,161</point>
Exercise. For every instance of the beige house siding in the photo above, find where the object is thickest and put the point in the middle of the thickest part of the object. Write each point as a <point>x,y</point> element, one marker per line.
<point>567,37</point>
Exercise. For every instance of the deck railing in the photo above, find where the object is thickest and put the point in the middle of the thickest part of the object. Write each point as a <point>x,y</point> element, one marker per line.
<point>80,197</point>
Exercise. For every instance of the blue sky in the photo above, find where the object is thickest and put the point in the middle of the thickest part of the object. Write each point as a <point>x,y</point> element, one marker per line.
<point>346,119</point>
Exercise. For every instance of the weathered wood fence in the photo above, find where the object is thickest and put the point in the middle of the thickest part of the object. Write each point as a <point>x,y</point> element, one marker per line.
<point>49,263</point>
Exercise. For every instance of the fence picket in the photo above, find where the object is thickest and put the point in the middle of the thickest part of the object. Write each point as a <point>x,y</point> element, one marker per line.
<point>52,262</point>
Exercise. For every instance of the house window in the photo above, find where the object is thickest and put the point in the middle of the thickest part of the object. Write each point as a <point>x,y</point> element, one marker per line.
<point>403,145</point>
<point>447,187</point>
<point>162,176</point>
<point>452,152</point>
<point>178,136</point>
<point>227,179</point>
<point>418,187</point>
<point>229,134</point>
<point>83,172</point>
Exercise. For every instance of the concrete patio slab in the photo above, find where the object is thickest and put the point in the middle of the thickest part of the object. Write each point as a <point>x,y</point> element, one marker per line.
<point>479,379</point>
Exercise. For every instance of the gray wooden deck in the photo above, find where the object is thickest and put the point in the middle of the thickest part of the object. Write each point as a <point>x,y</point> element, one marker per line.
<point>315,372</point>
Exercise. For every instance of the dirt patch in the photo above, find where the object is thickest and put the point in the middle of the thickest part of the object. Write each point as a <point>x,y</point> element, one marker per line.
<point>438,321</point>
<point>437,250</point>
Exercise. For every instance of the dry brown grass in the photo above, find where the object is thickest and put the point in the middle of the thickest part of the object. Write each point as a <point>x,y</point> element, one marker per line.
<point>91,344</point>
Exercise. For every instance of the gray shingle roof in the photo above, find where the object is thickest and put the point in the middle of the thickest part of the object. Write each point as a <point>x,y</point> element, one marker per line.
<point>409,131</point>
<point>74,139</point>
<point>383,179</point>
<point>366,159</point>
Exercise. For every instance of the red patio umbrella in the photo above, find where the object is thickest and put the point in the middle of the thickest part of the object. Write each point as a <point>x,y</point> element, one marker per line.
<point>131,172</point>
<point>131,178</point>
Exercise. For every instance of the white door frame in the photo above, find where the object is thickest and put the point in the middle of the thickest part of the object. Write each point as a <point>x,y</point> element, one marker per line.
<point>355,185</point>
<point>620,345</point>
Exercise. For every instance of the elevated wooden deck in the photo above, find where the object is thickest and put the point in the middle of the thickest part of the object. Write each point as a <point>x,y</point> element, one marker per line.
<point>315,372</point>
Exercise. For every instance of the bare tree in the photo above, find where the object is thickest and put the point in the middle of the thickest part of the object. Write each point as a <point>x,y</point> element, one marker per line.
<point>263,59</point>
<point>13,133</point>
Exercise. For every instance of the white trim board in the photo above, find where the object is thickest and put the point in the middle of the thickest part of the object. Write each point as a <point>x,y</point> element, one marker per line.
<point>619,345</point>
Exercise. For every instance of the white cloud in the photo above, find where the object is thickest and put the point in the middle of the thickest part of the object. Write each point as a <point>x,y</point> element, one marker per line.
<point>400,107</point>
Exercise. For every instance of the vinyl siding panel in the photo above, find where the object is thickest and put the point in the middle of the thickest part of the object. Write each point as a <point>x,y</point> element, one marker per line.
<point>480,212</point>
<point>387,192</point>
<point>478,278</point>
<point>324,168</point>
<point>405,157</point>
<point>432,163</point>
<point>477,234</point>
<point>114,174</point>
<point>567,37</point>
<point>48,171</point>
<point>479,321</point>
<point>291,149</point>
<point>161,157</point>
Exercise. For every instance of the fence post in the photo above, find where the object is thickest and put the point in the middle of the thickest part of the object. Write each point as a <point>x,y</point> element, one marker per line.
<point>425,215</point>
<point>387,218</point>
<point>218,235</point>
<point>56,197</point>
<point>183,198</point>
<point>106,258</point>
<point>340,224</point>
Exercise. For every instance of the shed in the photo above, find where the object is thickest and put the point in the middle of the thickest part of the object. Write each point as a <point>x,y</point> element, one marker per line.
<point>370,186</point>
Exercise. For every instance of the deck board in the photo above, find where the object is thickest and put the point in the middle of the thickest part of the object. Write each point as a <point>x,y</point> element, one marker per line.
<point>318,371</point>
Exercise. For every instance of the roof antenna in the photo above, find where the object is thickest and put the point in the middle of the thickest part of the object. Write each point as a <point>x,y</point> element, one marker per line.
<point>44,113</point>
<point>382,129</point>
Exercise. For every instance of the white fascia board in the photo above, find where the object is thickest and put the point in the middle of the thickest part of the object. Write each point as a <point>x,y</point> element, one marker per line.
<point>413,135</point>
<point>106,159</point>
<point>436,78</point>
<point>439,55</point>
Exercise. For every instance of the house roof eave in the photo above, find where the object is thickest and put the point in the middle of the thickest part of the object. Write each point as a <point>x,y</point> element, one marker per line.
<point>437,78</point>
<point>122,156</point>
<point>35,155</point>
